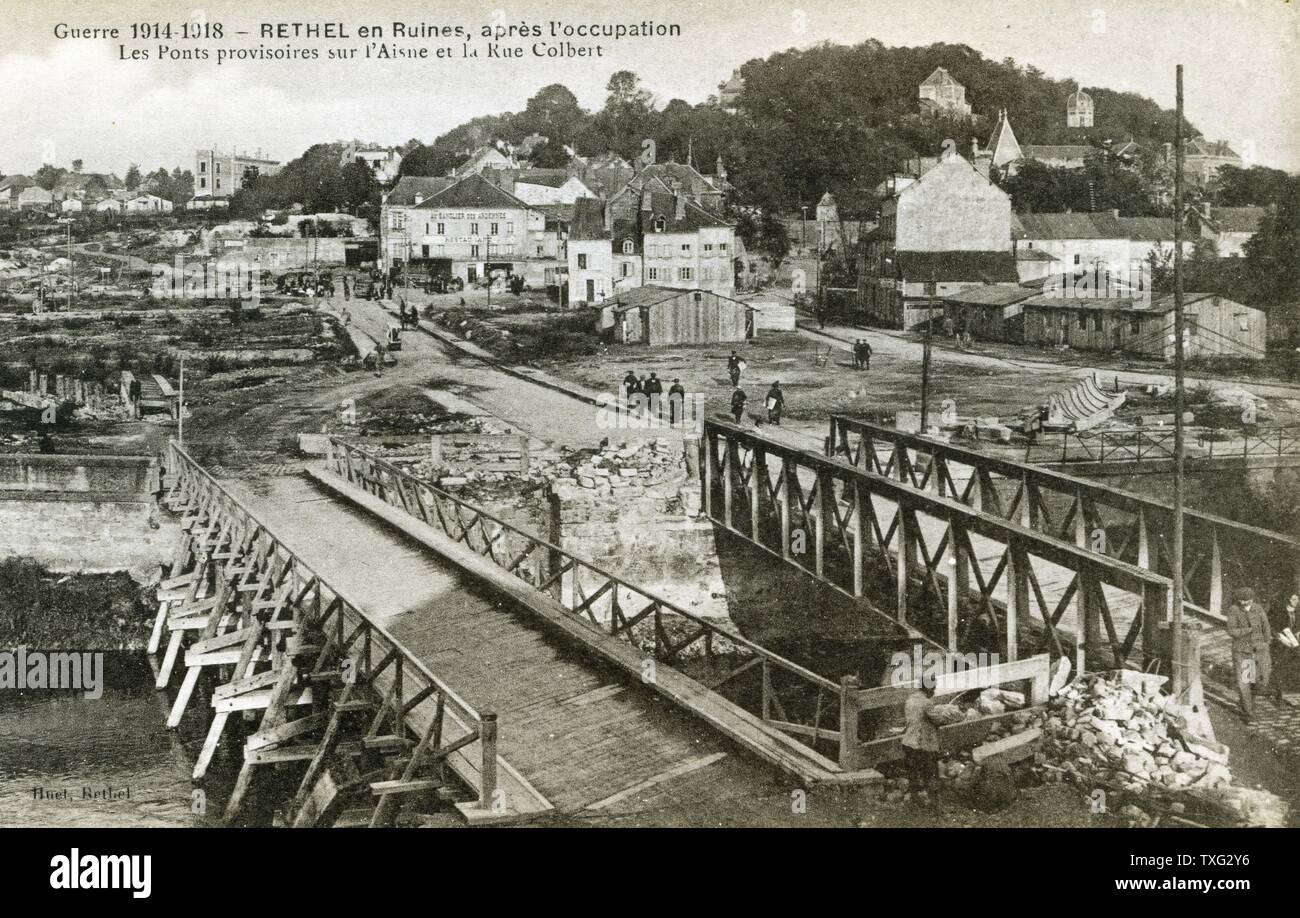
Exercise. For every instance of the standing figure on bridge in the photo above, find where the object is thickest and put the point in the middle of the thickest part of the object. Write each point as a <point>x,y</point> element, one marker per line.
<point>775,403</point>
<point>1252,661</point>
<point>347,290</point>
<point>920,736</point>
<point>734,366</point>
<point>738,404</point>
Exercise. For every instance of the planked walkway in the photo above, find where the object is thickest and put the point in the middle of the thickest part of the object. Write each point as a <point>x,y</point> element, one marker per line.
<point>581,731</point>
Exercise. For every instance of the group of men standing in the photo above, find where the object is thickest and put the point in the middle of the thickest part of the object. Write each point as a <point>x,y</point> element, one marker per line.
<point>644,395</point>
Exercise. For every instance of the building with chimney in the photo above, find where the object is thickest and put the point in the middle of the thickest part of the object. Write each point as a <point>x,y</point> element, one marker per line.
<point>947,230</point>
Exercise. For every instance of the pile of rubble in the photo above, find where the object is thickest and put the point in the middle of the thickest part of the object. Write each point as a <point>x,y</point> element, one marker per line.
<point>1115,733</point>
<point>628,465</point>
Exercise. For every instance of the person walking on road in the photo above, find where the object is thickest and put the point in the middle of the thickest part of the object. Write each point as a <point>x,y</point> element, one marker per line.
<point>738,404</point>
<point>734,366</point>
<point>1252,660</point>
<point>775,403</point>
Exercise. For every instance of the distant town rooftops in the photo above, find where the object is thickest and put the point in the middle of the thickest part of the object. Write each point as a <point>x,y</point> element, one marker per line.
<point>473,190</point>
<point>1091,226</point>
<point>946,267</point>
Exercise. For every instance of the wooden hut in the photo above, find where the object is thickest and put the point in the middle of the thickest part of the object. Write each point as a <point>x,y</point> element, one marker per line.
<point>1216,326</point>
<point>665,316</point>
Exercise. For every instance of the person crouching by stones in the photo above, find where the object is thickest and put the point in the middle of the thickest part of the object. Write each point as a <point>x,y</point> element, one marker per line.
<point>775,403</point>
<point>676,402</point>
<point>920,739</point>
<point>733,368</point>
<point>1252,661</point>
<point>738,404</point>
<point>654,391</point>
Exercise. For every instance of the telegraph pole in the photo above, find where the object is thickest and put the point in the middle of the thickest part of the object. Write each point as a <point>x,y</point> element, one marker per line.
<point>1179,397</point>
<point>925,363</point>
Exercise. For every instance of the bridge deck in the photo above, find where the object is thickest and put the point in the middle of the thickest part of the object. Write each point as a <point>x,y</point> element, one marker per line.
<point>579,730</point>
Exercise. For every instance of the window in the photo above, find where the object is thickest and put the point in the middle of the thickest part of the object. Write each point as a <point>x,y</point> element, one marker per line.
<point>1076,258</point>
<point>931,288</point>
<point>1096,321</point>
<point>539,251</point>
<point>722,247</point>
<point>708,248</point>
<point>686,248</point>
<point>660,223</point>
<point>582,262</point>
<point>684,274</point>
<point>626,269</point>
<point>1135,325</point>
<point>442,251</point>
<point>706,274</point>
<point>652,274</point>
<point>218,182</point>
<point>493,229</point>
<point>627,246</point>
<point>473,251</point>
<point>1083,320</point>
<point>425,250</point>
<point>510,229</point>
<point>473,229</point>
<point>397,219</point>
<point>203,167</point>
<point>442,229</point>
<point>218,168</point>
<point>203,183</point>
<point>426,229</point>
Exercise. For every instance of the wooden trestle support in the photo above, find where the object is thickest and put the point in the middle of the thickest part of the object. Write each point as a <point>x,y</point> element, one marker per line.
<point>326,686</point>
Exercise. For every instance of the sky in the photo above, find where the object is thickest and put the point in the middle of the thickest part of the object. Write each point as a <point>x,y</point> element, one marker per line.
<point>70,98</point>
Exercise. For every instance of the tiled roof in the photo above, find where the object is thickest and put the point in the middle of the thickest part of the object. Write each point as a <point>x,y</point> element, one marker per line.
<point>409,186</point>
<point>1159,305</point>
<point>472,191</point>
<point>1057,151</point>
<point>588,220</point>
<point>946,267</point>
<point>991,295</point>
<point>1091,226</point>
<point>1236,219</point>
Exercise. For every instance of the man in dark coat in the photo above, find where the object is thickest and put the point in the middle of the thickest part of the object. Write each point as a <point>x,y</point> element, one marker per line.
<point>775,403</point>
<point>733,368</point>
<point>676,402</point>
<point>738,404</point>
<point>654,390</point>
<point>630,385</point>
<point>1252,661</point>
<point>864,354</point>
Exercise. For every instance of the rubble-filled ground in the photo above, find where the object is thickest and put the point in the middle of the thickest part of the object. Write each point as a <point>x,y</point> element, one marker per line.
<point>1129,751</point>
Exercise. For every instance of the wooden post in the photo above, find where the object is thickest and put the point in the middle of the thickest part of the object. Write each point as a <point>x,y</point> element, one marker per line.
<point>819,513</point>
<point>1017,579</point>
<point>757,474</point>
<point>710,471</point>
<point>858,528</point>
<point>523,455</point>
<point>435,449</point>
<point>1144,541</point>
<point>1216,572</point>
<point>730,459</point>
<point>954,558</point>
<point>904,549</point>
<point>784,499</point>
<point>488,766</point>
<point>850,748</point>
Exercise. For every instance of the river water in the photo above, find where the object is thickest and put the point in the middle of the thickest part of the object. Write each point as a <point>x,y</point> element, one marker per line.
<point>67,761</point>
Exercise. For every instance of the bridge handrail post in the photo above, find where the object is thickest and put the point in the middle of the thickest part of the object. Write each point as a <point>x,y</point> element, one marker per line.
<point>488,767</point>
<point>850,757</point>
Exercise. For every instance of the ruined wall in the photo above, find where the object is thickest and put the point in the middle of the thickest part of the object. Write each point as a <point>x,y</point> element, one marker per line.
<point>84,513</point>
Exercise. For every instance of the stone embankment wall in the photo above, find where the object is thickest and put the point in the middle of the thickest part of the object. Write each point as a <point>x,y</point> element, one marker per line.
<point>84,513</point>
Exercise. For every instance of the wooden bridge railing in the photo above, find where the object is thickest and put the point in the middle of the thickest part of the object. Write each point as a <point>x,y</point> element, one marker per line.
<point>793,699</point>
<point>1120,524</point>
<point>863,528</point>
<point>308,602</point>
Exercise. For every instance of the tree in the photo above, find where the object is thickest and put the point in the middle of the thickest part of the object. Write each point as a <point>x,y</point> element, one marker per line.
<point>1270,253</point>
<point>132,179</point>
<point>48,176</point>
<point>553,112</point>
<point>76,165</point>
<point>1258,186</point>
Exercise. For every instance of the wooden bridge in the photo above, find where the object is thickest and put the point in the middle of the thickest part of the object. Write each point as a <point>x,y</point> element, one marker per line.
<point>400,643</point>
<point>1116,523</point>
<point>959,574</point>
